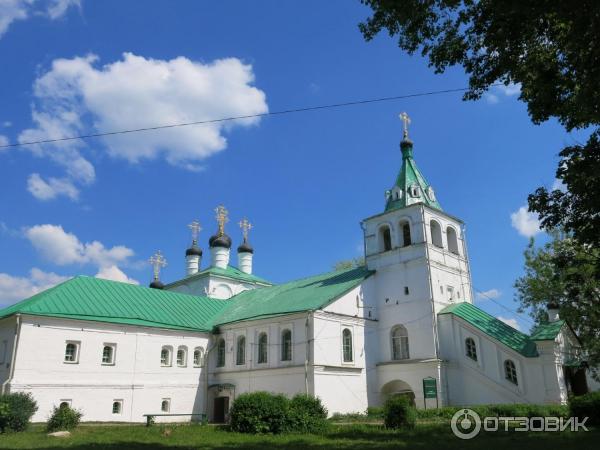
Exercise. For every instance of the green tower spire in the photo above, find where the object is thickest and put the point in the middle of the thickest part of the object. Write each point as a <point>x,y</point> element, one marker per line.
<point>410,187</point>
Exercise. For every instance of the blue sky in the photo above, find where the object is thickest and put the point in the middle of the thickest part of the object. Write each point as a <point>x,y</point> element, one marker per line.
<point>304,180</point>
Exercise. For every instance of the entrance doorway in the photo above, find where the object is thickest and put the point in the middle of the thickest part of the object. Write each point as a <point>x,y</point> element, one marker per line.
<point>576,380</point>
<point>221,409</point>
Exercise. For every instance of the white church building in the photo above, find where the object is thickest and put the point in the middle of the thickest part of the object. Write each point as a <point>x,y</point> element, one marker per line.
<point>404,323</point>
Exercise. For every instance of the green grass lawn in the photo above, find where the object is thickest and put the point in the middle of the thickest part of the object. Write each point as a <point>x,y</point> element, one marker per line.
<point>352,437</point>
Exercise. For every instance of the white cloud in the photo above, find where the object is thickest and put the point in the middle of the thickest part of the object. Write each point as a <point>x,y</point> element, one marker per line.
<point>510,90</point>
<point>17,288</point>
<point>510,321</point>
<point>11,10</point>
<point>492,99</point>
<point>3,141</point>
<point>558,185</point>
<point>489,294</point>
<point>7,124</point>
<point>494,95</point>
<point>63,248</point>
<point>525,222</point>
<point>54,187</point>
<point>115,274</point>
<point>77,96</point>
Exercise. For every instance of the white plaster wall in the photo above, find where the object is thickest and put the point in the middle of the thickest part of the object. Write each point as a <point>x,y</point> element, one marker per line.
<point>136,377</point>
<point>212,286</point>
<point>7,338</point>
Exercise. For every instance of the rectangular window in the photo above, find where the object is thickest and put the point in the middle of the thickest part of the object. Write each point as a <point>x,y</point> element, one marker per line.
<point>450,290</point>
<point>108,354</point>
<point>72,352</point>
<point>406,291</point>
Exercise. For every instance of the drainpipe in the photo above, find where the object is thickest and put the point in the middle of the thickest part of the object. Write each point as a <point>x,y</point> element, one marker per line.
<point>14,353</point>
<point>434,316</point>
<point>466,253</point>
<point>307,357</point>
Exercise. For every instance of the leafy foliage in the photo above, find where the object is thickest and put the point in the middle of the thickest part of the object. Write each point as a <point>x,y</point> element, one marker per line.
<point>499,410</point>
<point>264,412</point>
<point>346,264</point>
<point>564,272</point>
<point>398,412</point>
<point>587,405</point>
<point>16,410</point>
<point>63,418</point>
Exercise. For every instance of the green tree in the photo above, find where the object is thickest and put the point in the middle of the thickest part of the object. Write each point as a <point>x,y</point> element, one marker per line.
<point>550,48</point>
<point>563,272</point>
<point>346,264</point>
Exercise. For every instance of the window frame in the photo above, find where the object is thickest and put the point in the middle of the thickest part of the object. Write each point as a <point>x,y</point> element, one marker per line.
<point>200,351</point>
<point>221,353</point>
<point>346,347</point>
<point>263,348</point>
<point>471,349</point>
<point>113,354</point>
<point>75,359</point>
<point>510,372</point>
<point>286,353</point>
<point>166,401</point>
<point>240,350</point>
<point>401,351</point>
<point>120,403</point>
<point>181,348</point>
<point>452,240</point>
<point>169,350</point>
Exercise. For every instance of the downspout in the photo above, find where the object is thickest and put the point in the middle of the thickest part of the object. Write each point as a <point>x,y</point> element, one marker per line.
<point>307,356</point>
<point>13,357</point>
<point>364,229</point>
<point>466,253</point>
<point>434,316</point>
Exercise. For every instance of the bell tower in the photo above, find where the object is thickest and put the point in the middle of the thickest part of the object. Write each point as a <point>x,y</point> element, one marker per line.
<point>419,254</point>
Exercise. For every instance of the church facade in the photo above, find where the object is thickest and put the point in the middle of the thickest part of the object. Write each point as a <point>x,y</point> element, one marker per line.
<point>402,324</point>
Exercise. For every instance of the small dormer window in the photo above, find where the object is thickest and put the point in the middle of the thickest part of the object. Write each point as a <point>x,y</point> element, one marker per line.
<point>388,195</point>
<point>414,191</point>
<point>431,194</point>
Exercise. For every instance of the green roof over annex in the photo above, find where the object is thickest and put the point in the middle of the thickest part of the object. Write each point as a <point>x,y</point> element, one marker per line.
<point>547,331</point>
<point>493,327</point>
<point>94,299</point>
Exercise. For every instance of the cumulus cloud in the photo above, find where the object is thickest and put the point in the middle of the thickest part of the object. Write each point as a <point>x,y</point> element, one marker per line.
<point>54,187</point>
<point>511,322</point>
<point>494,95</point>
<point>489,294</point>
<point>63,248</point>
<point>12,10</point>
<point>78,96</point>
<point>115,274</point>
<point>17,288</point>
<point>525,222</point>
<point>3,141</point>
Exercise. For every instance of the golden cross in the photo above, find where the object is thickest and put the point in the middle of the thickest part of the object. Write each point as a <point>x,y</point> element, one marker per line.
<point>404,118</point>
<point>157,261</point>
<point>196,228</point>
<point>222,218</point>
<point>246,226</point>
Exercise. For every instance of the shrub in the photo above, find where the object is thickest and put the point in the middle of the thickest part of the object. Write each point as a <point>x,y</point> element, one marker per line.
<point>499,410</point>
<point>260,412</point>
<point>587,405</point>
<point>16,410</point>
<point>398,412</point>
<point>63,418</point>
<point>374,412</point>
<point>307,414</point>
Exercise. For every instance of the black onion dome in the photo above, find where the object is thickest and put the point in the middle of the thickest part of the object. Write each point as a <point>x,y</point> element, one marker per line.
<point>193,250</point>
<point>157,284</point>
<point>245,248</point>
<point>220,241</point>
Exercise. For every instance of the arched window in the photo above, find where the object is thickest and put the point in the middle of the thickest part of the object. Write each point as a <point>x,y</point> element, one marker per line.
<point>347,352</point>
<point>471,348</point>
<point>385,238</point>
<point>198,356</point>
<point>405,229</point>
<point>452,240</point>
<point>116,407</point>
<point>64,404</point>
<point>108,354</point>
<point>510,371</point>
<point>240,354</point>
<point>165,405</point>
<point>286,345</point>
<point>262,348</point>
<point>182,356</point>
<point>165,356</point>
<point>400,343</point>
<point>436,234</point>
<point>221,352</point>
<point>71,352</point>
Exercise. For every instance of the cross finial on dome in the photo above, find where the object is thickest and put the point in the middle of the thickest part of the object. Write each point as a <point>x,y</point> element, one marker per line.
<point>246,226</point>
<point>196,228</point>
<point>222,216</point>
<point>406,119</point>
<point>157,261</point>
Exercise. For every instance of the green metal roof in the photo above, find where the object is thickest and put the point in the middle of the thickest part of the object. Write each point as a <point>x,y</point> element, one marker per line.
<point>231,272</point>
<point>547,331</point>
<point>409,176</point>
<point>88,298</point>
<point>493,327</point>
<point>301,295</point>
